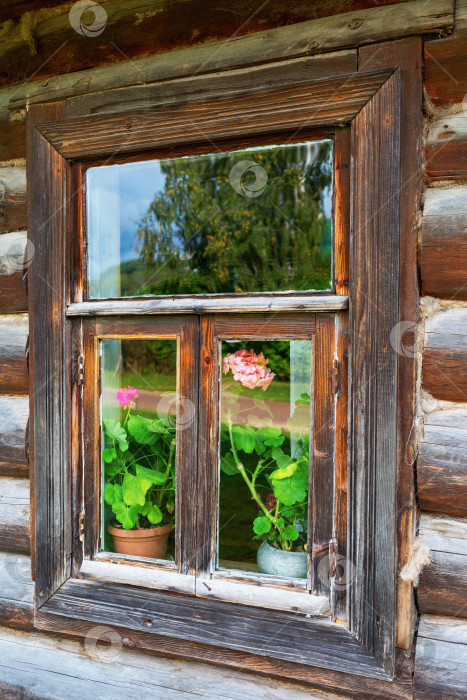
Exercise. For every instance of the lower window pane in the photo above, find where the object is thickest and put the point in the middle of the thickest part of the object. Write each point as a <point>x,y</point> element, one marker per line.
<point>138,410</point>
<point>264,456</point>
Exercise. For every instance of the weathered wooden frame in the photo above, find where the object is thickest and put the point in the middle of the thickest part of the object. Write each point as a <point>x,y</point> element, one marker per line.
<point>370,103</point>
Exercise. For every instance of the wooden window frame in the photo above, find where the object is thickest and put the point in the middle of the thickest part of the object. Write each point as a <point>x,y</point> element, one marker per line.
<point>367,102</point>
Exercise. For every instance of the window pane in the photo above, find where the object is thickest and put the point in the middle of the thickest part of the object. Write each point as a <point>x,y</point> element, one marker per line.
<point>264,456</point>
<point>139,384</point>
<point>256,220</point>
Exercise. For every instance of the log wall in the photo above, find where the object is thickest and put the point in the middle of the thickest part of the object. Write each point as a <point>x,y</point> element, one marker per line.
<point>441,469</point>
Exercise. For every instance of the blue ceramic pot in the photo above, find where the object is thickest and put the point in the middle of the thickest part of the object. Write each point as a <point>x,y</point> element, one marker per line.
<point>280,563</point>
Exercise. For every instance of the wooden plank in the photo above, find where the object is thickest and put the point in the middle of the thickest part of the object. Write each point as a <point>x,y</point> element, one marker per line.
<point>406,53</point>
<point>443,264</point>
<point>13,449</point>
<point>440,670</point>
<point>16,584</point>
<point>212,85</point>
<point>12,199</point>
<point>442,589</point>
<point>313,104</point>
<point>13,297</point>
<point>445,355</point>
<point>442,463</point>
<point>199,304</point>
<point>12,128</point>
<point>14,515</point>
<point>326,34</point>
<point>145,577</point>
<point>322,460</point>
<point>446,629</point>
<point>104,666</point>
<point>446,63</point>
<point>51,380</point>
<point>14,331</point>
<point>446,148</point>
<point>374,286</point>
<point>216,623</point>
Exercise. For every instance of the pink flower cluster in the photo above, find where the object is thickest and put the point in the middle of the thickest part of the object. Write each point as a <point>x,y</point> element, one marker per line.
<point>270,501</point>
<point>125,397</point>
<point>249,369</point>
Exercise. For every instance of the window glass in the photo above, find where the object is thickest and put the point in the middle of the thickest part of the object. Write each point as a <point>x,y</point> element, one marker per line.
<point>138,410</point>
<point>255,220</point>
<point>264,456</point>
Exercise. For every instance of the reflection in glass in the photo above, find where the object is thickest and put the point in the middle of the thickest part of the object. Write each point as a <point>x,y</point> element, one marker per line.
<point>264,454</point>
<point>138,405</point>
<point>256,220</point>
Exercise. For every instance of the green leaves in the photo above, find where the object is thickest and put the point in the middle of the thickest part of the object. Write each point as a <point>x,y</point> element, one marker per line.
<point>109,454</point>
<point>285,472</point>
<point>228,464</point>
<point>134,489</point>
<point>151,475</point>
<point>125,515</point>
<point>272,437</point>
<point>112,494</point>
<point>152,512</point>
<point>281,459</point>
<point>290,533</point>
<point>115,431</point>
<point>291,490</point>
<point>138,427</point>
<point>244,438</point>
<point>261,525</point>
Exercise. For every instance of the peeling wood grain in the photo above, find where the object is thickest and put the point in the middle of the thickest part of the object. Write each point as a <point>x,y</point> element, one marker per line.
<point>445,355</point>
<point>14,515</point>
<point>440,670</point>
<point>446,148</point>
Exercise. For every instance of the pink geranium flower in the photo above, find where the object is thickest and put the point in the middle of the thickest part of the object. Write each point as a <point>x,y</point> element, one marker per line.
<point>126,397</point>
<point>249,369</point>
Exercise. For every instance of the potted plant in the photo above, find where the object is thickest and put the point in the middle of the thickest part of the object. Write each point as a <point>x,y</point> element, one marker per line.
<point>139,457</point>
<point>278,483</point>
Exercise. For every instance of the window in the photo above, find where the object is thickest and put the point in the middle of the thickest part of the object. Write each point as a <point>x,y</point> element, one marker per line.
<point>174,266</point>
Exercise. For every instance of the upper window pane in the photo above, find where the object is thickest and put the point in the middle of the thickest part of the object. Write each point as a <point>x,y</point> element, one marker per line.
<point>255,220</point>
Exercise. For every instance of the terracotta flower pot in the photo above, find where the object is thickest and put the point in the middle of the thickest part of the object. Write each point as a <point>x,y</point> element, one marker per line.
<point>150,542</point>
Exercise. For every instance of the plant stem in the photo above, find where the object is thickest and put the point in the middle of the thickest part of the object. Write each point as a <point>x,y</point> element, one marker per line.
<point>161,493</point>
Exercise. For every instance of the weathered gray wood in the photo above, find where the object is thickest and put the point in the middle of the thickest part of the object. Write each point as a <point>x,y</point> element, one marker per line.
<point>231,82</point>
<point>442,463</point>
<point>14,515</point>
<point>12,199</point>
<point>326,34</point>
<point>13,250</point>
<point>446,629</point>
<point>14,411</point>
<point>442,589</point>
<point>440,670</point>
<point>445,355</point>
<point>443,264</point>
<point>37,666</point>
<point>48,221</point>
<point>196,305</point>
<point>14,331</point>
<point>240,627</point>
<point>146,577</point>
<point>374,286</point>
<point>16,583</point>
<point>310,104</point>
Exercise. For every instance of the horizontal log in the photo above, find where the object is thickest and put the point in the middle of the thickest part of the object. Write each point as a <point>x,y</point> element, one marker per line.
<point>14,515</point>
<point>442,588</point>
<point>253,304</point>
<point>440,659</point>
<point>446,148</point>
<point>12,199</point>
<point>14,331</point>
<point>321,35</point>
<point>212,85</point>
<point>442,463</point>
<point>445,355</point>
<point>13,131</point>
<point>444,243</point>
<point>14,412</point>
<point>446,63</point>
<point>41,666</point>
<point>16,584</point>
<point>14,249</point>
